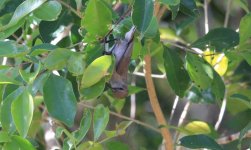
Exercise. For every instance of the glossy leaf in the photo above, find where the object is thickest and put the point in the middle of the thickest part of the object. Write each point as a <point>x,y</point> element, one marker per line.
<point>170,2</point>
<point>57,59</point>
<point>30,77</point>
<point>100,120</point>
<point>49,11</point>
<point>142,14</point>
<point>220,39</point>
<point>152,30</point>
<point>197,127</point>
<point>6,117</point>
<point>19,143</point>
<point>176,74</point>
<point>76,64</point>
<point>199,141</point>
<point>11,49</point>
<point>4,137</point>
<point>218,61</point>
<point>245,32</point>
<point>243,99</point>
<point>22,112</point>
<point>85,124</point>
<point>103,18</point>
<point>96,71</point>
<point>21,11</point>
<point>200,72</point>
<point>115,144</point>
<point>189,8</point>
<point>93,91</point>
<point>4,79</point>
<point>59,99</point>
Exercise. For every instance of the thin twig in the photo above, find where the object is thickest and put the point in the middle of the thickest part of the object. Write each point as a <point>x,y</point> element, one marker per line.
<point>71,9</point>
<point>176,100</point>
<point>4,62</point>
<point>182,118</point>
<point>116,23</point>
<point>161,76</point>
<point>232,137</point>
<point>229,4</point>
<point>126,118</point>
<point>222,111</point>
<point>206,16</point>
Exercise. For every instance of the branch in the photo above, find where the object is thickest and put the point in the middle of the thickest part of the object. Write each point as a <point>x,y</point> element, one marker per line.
<point>155,104</point>
<point>232,137</point>
<point>229,4</point>
<point>70,8</point>
<point>126,118</point>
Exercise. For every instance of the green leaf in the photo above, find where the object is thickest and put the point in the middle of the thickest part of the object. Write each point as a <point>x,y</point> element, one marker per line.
<point>11,49</point>
<point>30,77</point>
<point>9,31</point>
<point>4,137</point>
<point>97,18</point>
<point>199,141</point>
<point>76,64</point>
<point>4,79</point>
<point>59,99</point>
<point>6,117</point>
<point>100,120</point>
<point>84,126</point>
<point>142,14</point>
<point>243,132</point>
<point>176,74</point>
<point>245,32</point>
<point>21,11</point>
<point>220,39</point>
<point>152,30</point>
<point>197,127</point>
<point>200,72</point>
<point>93,91</point>
<point>242,98</point>
<point>218,86</point>
<point>112,145</point>
<point>22,112</point>
<point>96,71</point>
<point>49,11</point>
<point>42,48</point>
<point>19,143</point>
<point>170,2</point>
<point>57,59</point>
<point>189,8</point>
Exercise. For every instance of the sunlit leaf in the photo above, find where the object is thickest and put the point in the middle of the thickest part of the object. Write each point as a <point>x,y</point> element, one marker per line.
<point>245,32</point>
<point>103,18</point>
<point>198,127</point>
<point>22,112</point>
<point>6,117</point>
<point>218,61</point>
<point>49,11</point>
<point>96,71</point>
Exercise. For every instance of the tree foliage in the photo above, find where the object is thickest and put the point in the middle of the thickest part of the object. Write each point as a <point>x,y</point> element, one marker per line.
<point>57,65</point>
